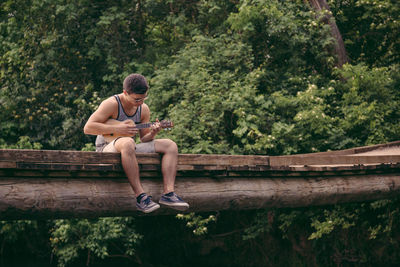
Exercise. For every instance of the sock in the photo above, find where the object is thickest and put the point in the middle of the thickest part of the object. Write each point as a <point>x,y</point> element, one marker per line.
<point>170,194</point>
<point>139,198</point>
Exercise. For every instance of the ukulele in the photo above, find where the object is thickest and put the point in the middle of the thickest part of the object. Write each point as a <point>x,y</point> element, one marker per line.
<point>165,124</point>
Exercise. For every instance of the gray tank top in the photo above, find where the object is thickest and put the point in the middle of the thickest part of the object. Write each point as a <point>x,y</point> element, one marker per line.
<point>122,116</point>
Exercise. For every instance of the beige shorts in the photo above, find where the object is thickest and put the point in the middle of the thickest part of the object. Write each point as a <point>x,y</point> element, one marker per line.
<point>147,147</point>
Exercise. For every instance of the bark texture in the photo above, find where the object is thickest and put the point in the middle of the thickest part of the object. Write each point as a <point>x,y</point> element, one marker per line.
<point>339,49</point>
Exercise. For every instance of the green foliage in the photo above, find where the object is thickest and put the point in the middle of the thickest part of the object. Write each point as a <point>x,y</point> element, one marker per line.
<point>254,77</point>
<point>206,89</point>
<point>370,29</point>
<point>369,104</point>
<point>236,77</point>
<point>11,231</point>
<point>24,238</point>
<point>336,218</point>
<point>99,238</point>
<point>287,38</point>
<point>24,142</point>
<point>58,60</point>
<point>222,103</point>
<point>364,232</point>
<point>197,222</point>
<point>261,224</point>
<point>89,147</point>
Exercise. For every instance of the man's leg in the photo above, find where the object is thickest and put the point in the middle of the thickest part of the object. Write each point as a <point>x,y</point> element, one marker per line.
<point>168,168</point>
<point>169,162</point>
<point>126,146</point>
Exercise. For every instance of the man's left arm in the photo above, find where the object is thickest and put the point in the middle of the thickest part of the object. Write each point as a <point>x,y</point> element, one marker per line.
<point>148,134</point>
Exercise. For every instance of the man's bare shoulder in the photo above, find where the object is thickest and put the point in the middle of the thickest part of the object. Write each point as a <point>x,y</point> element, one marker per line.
<point>145,107</point>
<point>107,108</point>
<point>109,103</point>
<point>145,110</point>
<point>110,100</point>
<point>145,114</point>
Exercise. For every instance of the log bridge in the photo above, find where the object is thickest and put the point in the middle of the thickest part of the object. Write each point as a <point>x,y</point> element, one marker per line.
<point>49,184</point>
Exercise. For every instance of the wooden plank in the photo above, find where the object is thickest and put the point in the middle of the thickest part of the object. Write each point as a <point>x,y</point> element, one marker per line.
<point>58,198</point>
<point>8,164</point>
<point>26,155</point>
<point>156,173</point>
<point>154,170</point>
<point>196,167</point>
<point>375,147</point>
<point>338,168</point>
<point>214,159</point>
<point>60,156</point>
<point>350,151</point>
<point>68,166</point>
<point>79,157</point>
<point>333,160</point>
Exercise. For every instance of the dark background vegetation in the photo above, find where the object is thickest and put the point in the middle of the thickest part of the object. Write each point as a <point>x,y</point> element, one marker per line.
<point>236,77</point>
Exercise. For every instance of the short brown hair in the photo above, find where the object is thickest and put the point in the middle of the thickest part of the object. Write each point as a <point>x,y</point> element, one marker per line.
<point>136,84</point>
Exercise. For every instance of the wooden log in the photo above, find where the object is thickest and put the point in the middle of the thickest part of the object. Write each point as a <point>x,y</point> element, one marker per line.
<point>59,198</point>
<point>56,184</point>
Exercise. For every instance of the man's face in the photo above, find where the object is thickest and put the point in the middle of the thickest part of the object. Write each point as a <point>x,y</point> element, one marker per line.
<point>136,99</point>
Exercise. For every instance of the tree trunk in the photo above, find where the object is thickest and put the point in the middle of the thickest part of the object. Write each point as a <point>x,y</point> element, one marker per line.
<point>340,50</point>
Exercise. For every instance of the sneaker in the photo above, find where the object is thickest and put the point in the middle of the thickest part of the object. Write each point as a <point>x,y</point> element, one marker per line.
<point>172,200</point>
<point>147,205</point>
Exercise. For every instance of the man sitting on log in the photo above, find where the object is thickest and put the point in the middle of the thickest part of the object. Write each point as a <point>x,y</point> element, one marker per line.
<point>114,124</point>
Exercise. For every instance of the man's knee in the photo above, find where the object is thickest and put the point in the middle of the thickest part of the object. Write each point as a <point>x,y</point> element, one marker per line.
<point>174,147</point>
<point>166,146</point>
<point>171,146</point>
<point>126,145</point>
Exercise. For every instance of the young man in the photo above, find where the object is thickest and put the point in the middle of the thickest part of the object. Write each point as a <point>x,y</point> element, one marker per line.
<point>126,107</point>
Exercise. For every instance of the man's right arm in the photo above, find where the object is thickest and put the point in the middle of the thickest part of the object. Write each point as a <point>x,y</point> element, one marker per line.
<point>96,124</point>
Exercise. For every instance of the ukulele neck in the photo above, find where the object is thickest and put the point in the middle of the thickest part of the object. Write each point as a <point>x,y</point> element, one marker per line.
<point>144,125</point>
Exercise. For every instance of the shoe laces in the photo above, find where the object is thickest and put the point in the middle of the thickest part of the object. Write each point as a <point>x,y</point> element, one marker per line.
<point>174,195</point>
<point>178,197</point>
<point>147,200</point>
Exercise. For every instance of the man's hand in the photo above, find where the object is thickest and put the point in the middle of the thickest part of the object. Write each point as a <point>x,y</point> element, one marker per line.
<point>127,127</point>
<point>155,128</point>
